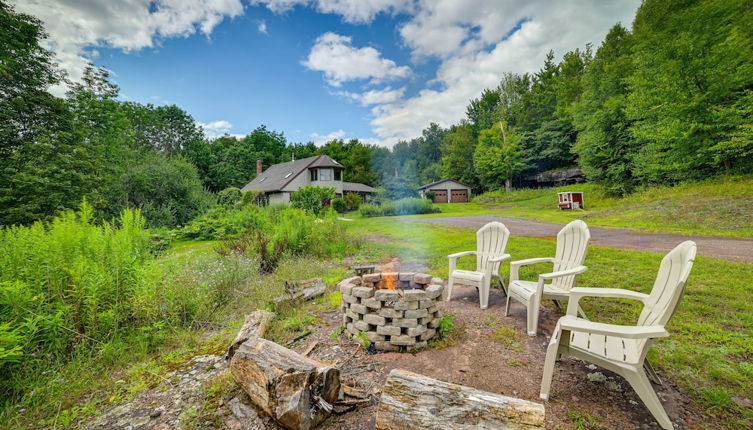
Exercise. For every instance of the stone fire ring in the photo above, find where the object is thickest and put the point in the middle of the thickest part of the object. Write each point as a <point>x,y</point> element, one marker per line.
<point>393,310</point>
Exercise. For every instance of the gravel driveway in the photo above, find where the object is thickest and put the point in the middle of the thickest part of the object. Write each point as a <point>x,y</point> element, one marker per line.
<point>731,249</point>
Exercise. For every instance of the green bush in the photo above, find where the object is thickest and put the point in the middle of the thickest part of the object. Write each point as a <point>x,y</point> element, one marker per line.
<point>340,205</point>
<point>250,197</point>
<point>406,206</point>
<point>352,201</point>
<point>222,222</point>
<point>314,200</point>
<point>229,196</point>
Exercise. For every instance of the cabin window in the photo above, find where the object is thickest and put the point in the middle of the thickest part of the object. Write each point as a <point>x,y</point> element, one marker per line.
<point>338,175</point>
<point>314,175</point>
<point>325,174</point>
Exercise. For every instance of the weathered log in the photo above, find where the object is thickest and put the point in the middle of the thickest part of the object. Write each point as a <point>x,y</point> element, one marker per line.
<point>296,391</point>
<point>256,325</point>
<point>416,402</point>
<point>303,290</point>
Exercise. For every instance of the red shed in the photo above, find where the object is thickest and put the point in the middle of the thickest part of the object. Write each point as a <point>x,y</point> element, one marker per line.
<point>571,200</point>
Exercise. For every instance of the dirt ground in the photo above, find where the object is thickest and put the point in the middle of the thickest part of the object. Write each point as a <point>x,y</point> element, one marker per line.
<point>719,247</point>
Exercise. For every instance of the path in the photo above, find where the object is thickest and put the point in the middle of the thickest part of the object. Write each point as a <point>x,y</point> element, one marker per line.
<point>731,249</point>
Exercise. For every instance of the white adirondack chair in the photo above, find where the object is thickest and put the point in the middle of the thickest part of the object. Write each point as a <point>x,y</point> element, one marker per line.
<point>572,244</point>
<point>622,349</point>
<point>491,241</point>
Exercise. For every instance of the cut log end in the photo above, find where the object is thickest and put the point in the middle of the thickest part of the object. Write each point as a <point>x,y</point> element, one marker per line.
<point>255,326</point>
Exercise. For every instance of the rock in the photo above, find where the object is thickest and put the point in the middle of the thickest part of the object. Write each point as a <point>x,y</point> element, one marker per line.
<point>245,415</point>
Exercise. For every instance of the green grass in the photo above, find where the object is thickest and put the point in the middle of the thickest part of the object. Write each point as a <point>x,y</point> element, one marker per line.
<point>711,344</point>
<point>718,207</point>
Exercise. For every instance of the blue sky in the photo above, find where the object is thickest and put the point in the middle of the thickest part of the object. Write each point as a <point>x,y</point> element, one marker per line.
<point>379,70</point>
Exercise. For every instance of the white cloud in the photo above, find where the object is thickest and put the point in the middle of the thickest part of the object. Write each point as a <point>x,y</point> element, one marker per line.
<point>320,140</point>
<point>352,11</point>
<point>373,97</point>
<point>75,26</point>
<point>261,26</point>
<point>219,128</point>
<point>340,61</point>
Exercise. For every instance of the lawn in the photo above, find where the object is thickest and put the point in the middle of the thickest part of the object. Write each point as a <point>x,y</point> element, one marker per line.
<point>711,344</point>
<point>718,207</point>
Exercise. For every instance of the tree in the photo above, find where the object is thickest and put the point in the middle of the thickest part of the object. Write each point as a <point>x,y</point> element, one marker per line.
<point>167,129</point>
<point>482,112</point>
<point>45,165</point>
<point>498,156</point>
<point>457,160</point>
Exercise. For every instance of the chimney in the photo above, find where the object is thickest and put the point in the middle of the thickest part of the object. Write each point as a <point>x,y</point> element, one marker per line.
<point>258,168</point>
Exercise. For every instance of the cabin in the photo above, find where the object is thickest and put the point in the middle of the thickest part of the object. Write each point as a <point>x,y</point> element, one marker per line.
<point>570,200</point>
<point>446,191</point>
<point>280,180</point>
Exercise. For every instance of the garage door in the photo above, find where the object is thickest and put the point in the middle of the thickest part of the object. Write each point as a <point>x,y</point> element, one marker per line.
<point>440,196</point>
<point>459,196</point>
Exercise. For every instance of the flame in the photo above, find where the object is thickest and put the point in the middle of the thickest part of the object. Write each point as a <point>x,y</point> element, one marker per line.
<point>389,281</point>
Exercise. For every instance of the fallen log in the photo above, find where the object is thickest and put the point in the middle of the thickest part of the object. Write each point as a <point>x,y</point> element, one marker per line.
<point>256,325</point>
<point>303,290</point>
<point>294,390</point>
<point>416,402</point>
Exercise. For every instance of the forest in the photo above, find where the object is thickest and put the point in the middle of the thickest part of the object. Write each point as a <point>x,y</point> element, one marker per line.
<point>666,101</point>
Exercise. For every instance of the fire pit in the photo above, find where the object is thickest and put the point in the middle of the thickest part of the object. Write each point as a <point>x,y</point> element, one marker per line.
<point>393,310</point>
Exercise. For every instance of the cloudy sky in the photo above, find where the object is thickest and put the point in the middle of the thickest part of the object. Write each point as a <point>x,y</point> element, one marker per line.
<point>378,70</point>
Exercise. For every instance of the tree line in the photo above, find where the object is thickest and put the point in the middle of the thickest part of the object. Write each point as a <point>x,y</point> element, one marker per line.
<point>669,100</point>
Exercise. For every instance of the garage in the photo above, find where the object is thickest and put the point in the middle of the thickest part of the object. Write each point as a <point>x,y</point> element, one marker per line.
<point>446,191</point>
<point>458,196</point>
<point>440,196</point>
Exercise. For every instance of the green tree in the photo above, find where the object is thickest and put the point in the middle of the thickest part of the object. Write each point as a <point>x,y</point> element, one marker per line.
<point>499,156</point>
<point>457,160</point>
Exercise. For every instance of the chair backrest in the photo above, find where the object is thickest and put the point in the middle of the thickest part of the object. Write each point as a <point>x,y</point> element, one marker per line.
<point>669,286</point>
<point>572,245</point>
<point>491,241</point>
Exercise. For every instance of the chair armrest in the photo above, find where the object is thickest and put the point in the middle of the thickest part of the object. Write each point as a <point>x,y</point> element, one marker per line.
<point>515,265</point>
<point>569,272</point>
<point>573,323</point>
<point>530,261</point>
<point>613,293</point>
<point>461,254</point>
<point>502,257</point>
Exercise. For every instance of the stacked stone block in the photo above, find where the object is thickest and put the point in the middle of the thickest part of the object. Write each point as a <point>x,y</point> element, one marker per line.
<point>392,319</point>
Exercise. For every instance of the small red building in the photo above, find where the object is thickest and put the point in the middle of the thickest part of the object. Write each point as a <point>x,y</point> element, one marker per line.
<point>571,200</point>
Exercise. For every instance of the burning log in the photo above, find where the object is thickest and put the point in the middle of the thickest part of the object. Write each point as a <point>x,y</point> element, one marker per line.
<point>411,401</point>
<point>298,392</point>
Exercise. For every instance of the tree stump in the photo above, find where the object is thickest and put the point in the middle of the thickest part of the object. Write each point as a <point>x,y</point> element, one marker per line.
<point>296,391</point>
<point>415,402</point>
<point>256,325</point>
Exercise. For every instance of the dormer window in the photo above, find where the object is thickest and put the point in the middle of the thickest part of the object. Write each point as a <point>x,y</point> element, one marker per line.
<point>314,175</point>
<point>338,175</point>
<point>325,174</point>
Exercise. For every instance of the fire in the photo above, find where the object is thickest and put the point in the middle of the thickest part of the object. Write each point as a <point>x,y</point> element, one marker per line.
<point>389,281</point>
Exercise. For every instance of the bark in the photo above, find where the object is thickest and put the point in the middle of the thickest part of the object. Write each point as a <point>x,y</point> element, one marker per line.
<point>302,290</point>
<point>296,391</point>
<point>415,402</point>
<point>255,326</point>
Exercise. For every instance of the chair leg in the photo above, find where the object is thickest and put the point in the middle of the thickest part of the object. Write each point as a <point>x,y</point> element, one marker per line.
<point>533,316</point>
<point>502,284</point>
<point>652,375</point>
<point>450,282</point>
<point>640,383</point>
<point>552,353</point>
<point>507,305</point>
<point>582,314</point>
<point>483,293</point>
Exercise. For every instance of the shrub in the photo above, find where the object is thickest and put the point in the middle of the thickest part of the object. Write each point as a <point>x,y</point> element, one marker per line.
<point>222,222</point>
<point>352,201</point>
<point>251,197</point>
<point>406,206</point>
<point>229,196</point>
<point>370,210</point>
<point>340,205</point>
<point>314,200</point>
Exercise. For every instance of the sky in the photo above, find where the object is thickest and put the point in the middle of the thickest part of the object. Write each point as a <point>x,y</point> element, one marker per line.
<point>377,70</point>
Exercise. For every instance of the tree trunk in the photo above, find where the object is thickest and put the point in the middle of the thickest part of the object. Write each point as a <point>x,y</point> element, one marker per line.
<point>255,326</point>
<point>508,185</point>
<point>302,290</point>
<point>415,402</point>
<point>294,390</point>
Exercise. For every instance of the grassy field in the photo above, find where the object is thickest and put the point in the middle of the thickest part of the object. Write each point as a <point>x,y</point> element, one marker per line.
<point>709,352</point>
<point>719,207</point>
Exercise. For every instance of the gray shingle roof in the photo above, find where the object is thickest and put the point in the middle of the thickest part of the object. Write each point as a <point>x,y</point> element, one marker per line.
<point>356,187</point>
<point>440,181</point>
<point>277,176</point>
